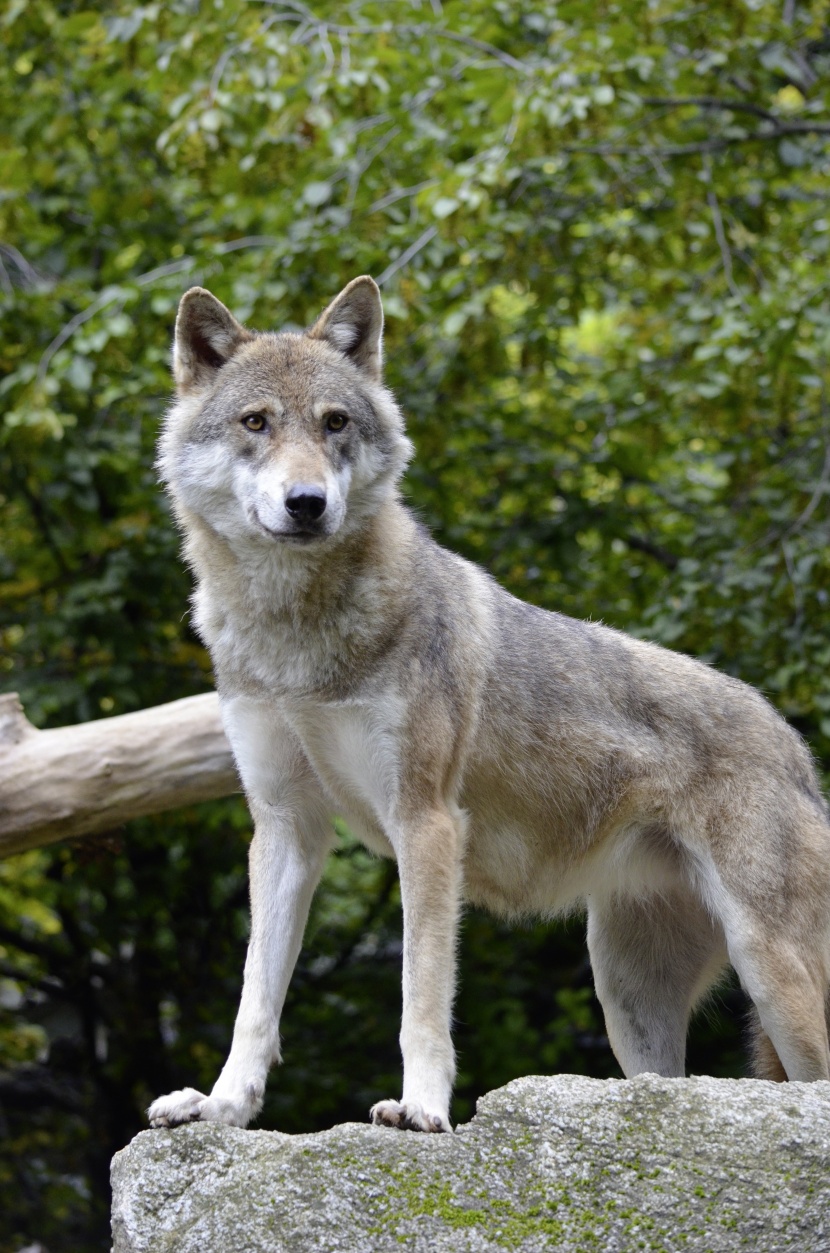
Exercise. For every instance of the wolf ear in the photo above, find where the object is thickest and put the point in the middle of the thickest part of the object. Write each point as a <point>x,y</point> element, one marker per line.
<point>353,324</point>
<point>207,336</point>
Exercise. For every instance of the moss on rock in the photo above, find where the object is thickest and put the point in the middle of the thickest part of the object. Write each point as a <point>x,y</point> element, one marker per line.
<point>568,1163</point>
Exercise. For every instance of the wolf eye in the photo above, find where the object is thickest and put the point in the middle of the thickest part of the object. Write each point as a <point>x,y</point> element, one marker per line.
<point>336,421</point>
<point>255,422</point>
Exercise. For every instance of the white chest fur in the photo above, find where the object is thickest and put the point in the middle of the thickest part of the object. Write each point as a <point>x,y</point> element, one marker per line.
<point>349,749</point>
<point>355,749</point>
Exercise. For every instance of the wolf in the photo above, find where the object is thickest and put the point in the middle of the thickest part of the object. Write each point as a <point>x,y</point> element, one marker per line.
<point>505,756</point>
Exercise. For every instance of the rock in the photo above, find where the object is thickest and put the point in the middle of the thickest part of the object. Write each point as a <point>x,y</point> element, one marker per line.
<point>569,1164</point>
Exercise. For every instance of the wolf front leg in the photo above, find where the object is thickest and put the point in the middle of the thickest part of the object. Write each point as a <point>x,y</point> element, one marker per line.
<point>286,859</point>
<point>429,853</point>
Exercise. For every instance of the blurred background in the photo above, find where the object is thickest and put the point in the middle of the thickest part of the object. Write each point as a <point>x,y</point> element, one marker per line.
<point>602,233</point>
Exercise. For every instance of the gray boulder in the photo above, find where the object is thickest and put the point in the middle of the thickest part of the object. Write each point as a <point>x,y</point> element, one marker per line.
<point>564,1163</point>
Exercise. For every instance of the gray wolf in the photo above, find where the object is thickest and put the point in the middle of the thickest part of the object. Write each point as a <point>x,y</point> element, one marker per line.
<point>503,755</point>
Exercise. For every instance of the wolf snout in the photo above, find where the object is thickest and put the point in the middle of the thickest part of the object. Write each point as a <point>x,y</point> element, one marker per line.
<point>305,503</point>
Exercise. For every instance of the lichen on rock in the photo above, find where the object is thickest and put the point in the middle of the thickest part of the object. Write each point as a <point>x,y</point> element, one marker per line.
<point>566,1163</point>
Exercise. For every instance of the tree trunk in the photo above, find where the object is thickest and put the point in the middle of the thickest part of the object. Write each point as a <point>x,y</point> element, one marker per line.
<point>92,777</point>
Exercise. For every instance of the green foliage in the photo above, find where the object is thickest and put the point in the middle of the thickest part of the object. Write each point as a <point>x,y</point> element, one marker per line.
<point>602,234</point>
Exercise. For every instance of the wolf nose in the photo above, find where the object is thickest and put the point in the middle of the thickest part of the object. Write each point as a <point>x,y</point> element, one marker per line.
<point>306,503</point>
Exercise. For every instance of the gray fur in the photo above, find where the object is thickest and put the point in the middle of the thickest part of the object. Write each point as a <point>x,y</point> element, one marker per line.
<point>506,756</point>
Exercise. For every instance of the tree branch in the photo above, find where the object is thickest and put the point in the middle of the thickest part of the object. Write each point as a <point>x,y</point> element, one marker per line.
<point>402,193</point>
<point>639,544</point>
<point>710,102</point>
<point>407,255</point>
<point>704,145</point>
<point>72,781</point>
<point>723,242</point>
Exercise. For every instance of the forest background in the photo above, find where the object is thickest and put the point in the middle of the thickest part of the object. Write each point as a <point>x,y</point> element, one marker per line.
<point>601,231</point>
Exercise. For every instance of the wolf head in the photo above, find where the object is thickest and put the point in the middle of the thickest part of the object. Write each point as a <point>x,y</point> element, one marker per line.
<point>281,439</point>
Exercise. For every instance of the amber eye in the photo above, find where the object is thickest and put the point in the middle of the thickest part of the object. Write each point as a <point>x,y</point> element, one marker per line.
<point>255,422</point>
<point>336,421</point>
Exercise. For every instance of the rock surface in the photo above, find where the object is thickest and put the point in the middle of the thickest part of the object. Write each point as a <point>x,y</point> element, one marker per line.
<point>568,1163</point>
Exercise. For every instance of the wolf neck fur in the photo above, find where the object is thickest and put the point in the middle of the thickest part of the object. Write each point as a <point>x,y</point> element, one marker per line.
<point>342,599</point>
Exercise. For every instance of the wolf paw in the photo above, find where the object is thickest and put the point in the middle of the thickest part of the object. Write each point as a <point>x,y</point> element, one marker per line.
<point>176,1107</point>
<point>188,1105</point>
<point>408,1116</point>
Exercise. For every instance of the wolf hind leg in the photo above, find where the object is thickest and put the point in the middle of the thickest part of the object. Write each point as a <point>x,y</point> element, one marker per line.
<point>766,1064</point>
<point>789,996</point>
<point>770,888</point>
<point>653,958</point>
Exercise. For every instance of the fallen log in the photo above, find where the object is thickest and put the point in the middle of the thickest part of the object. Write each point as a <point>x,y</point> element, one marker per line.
<point>77,780</point>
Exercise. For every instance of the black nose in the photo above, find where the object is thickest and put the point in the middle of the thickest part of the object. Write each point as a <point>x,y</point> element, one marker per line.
<point>306,503</point>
